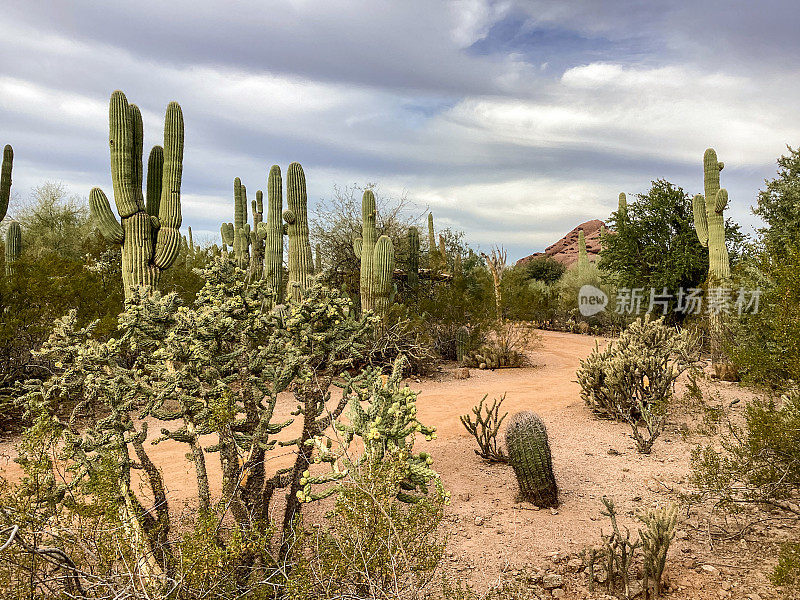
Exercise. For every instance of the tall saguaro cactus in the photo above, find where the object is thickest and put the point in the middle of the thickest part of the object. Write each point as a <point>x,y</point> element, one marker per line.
<point>301,265</point>
<point>13,246</point>
<point>383,264</point>
<point>583,255</point>
<point>413,258</point>
<point>150,229</point>
<point>433,254</point>
<point>366,244</point>
<point>709,223</point>
<point>273,233</point>
<point>5,180</point>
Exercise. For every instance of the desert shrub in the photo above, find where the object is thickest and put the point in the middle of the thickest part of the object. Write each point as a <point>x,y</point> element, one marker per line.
<point>544,269</point>
<point>485,428</point>
<point>637,370</point>
<point>371,545</point>
<point>402,333</point>
<point>787,571</point>
<point>525,298</point>
<point>758,462</point>
<point>506,346</point>
<point>568,289</point>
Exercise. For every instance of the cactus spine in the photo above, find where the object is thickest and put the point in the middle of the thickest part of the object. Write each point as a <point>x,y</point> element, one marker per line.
<point>368,241</point>
<point>413,258</point>
<point>529,454</point>
<point>273,234</point>
<point>150,230</point>
<point>5,180</point>
<point>383,264</point>
<point>13,246</point>
<point>301,264</point>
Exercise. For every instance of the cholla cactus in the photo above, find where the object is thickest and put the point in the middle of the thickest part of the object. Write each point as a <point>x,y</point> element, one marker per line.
<point>656,538</point>
<point>150,230</point>
<point>529,454</point>
<point>13,246</point>
<point>384,416</point>
<point>5,180</point>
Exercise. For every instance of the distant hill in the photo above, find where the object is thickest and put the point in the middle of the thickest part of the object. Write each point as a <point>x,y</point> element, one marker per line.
<point>565,250</point>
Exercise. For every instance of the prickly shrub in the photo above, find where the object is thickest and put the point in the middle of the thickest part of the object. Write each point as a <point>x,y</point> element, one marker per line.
<point>485,428</point>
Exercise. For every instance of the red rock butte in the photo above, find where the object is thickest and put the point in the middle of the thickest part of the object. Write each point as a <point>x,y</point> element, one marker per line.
<point>565,250</point>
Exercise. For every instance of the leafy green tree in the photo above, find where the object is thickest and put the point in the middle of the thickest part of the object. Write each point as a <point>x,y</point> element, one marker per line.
<point>544,268</point>
<point>654,245</point>
<point>779,205</point>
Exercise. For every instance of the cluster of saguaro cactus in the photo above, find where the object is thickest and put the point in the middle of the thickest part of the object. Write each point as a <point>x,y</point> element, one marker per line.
<point>150,228</point>
<point>377,260</point>
<point>529,454</point>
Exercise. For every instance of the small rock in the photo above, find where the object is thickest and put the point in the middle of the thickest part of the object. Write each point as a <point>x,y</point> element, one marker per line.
<point>553,511</point>
<point>612,452</point>
<point>681,534</point>
<point>479,521</point>
<point>464,497</point>
<point>462,373</point>
<point>574,565</point>
<point>754,596</point>
<point>558,593</point>
<point>550,581</point>
<point>635,589</point>
<point>709,568</point>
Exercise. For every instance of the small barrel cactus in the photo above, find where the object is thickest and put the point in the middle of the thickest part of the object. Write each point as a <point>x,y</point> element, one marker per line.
<point>529,454</point>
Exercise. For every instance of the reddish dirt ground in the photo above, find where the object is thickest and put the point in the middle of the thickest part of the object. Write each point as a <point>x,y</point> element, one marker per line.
<point>493,538</point>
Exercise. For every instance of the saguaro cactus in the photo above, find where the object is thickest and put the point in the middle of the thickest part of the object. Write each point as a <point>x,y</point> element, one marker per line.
<point>383,264</point>
<point>150,230</point>
<point>583,255</point>
<point>462,343</point>
<point>433,254</point>
<point>13,245</point>
<point>5,180</point>
<point>367,245</point>
<point>301,264</point>
<point>273,233</point>
<point>413,258</point>
<point>709,222</point>
<point>257,235</point>
<point>529,454</point>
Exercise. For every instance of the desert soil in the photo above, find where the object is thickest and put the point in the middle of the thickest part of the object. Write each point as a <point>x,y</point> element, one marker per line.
<point>493,538</point>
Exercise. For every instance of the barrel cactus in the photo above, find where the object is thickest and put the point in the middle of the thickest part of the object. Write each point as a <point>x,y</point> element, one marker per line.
<point>13,246</point>
<point>5,180</point>
<point>301,266</point>
<point>529,454</point>
<point>273,233</point>
<point>150,230</point>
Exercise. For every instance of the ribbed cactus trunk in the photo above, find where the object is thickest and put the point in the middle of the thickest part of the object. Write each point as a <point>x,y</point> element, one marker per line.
<point>150,230</point>
<point>529,454</point>
<point>433,254</point>
<point>709,223</point>
<point>273,234</point>
<point>13,246</point>
<point>462,343</point>
<point>583,255</point>
<point>257,234</point>
<point>368,240</point>
<point>301,266</point>
<point>413,258</point>
<point>5,180</point>
<point>442,252</point>
<point>383,264</point>
<point>241,228</point>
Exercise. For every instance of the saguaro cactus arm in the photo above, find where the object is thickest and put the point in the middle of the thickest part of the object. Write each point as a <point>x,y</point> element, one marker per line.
<point>700,221</point>
<point>104,217</point>
<point>169,208</point>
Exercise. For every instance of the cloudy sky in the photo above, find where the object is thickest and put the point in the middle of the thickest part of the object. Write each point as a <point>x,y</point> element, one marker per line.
<point>512,120</point>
